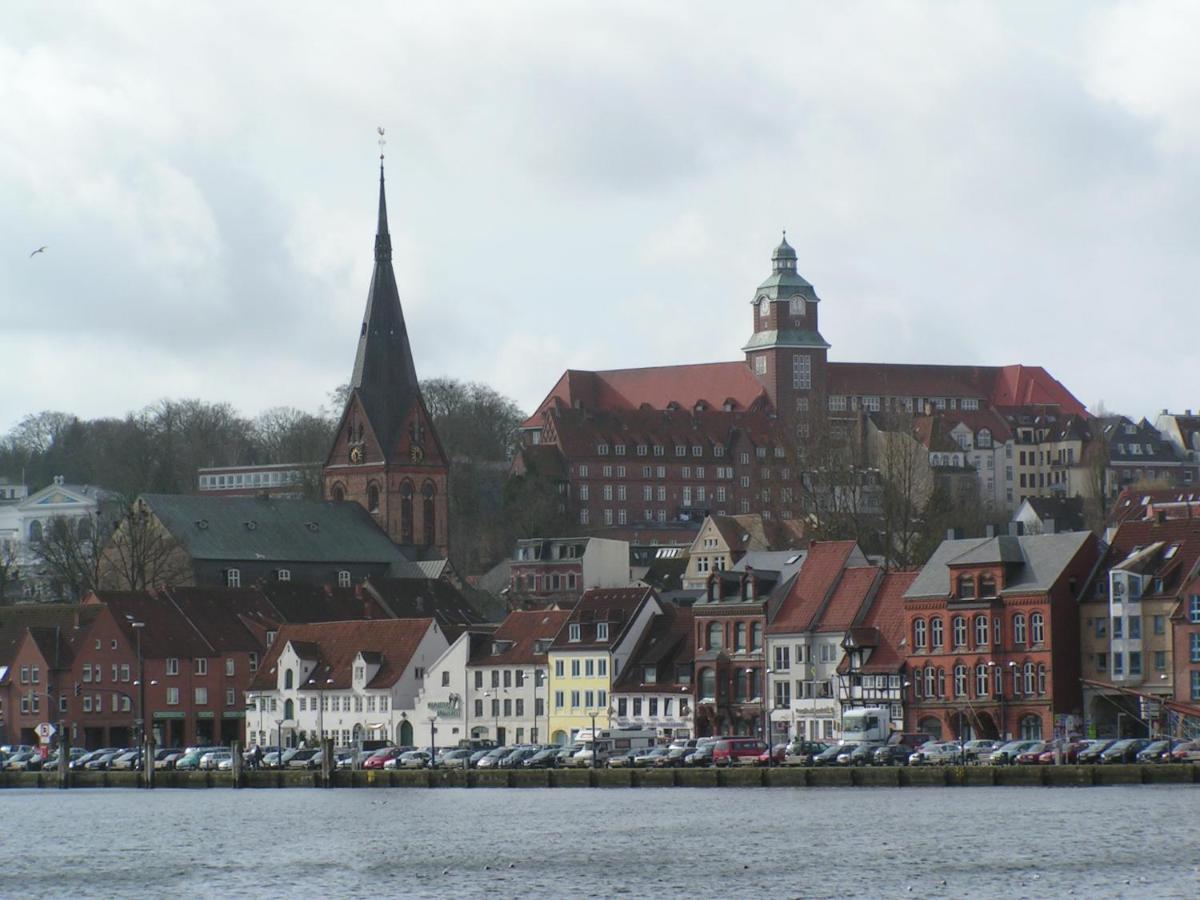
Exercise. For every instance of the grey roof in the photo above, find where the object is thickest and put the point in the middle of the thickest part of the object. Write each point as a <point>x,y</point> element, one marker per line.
<point>786,562</point>
<point>785,337</point>
<point>1035,561</point>
<point>268,528</point>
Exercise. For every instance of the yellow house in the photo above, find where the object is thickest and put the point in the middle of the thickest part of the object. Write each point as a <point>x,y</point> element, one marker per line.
<point>589,654</point>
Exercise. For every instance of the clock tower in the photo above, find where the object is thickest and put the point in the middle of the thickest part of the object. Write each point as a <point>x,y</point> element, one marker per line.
<point>386,455</point>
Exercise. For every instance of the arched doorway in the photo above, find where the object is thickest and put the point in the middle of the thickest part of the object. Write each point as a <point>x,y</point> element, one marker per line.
<point>404,734</point>
<point>1031,728</point>
<point>987,726</point>
<point>559,738</point>
<point>932,726</point>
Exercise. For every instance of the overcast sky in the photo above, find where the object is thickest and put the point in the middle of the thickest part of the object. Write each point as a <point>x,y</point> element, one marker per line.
<point>591,186</point>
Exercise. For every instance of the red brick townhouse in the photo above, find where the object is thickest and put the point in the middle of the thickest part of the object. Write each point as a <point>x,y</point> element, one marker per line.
<point>993,636</point>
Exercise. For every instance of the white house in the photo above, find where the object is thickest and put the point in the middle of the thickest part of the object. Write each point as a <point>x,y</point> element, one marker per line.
<point>348,681</point>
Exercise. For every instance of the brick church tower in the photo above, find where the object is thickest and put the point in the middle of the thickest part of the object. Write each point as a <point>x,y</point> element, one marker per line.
<point>786,351</point>
<point>386,454</point>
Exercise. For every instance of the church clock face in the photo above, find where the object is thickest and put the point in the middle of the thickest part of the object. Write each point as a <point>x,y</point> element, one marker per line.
<point>356,455</point>
<point>416,454</point>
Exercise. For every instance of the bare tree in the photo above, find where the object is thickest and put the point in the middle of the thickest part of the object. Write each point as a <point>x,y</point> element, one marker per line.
<point>140,553</point>
<point>68,556</point>
<point>10,571</point>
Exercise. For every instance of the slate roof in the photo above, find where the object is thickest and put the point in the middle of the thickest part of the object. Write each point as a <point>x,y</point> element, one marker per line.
<point>165,632</point>
<point>53,642</point>
<point>616,606</point>
<point>336,645</point>
<point>786,562</point>
<point>1034,561</point>
<point>270,528</point>
<point>296,601</point>
<point>407,598</point>
<point>517,636</point>
<point>1067,512</point>
<point>804,595</point>
<point>666,645</point>
<point>1132,503</point>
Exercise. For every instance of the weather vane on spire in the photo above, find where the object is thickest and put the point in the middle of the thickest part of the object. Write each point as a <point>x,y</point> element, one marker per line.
<point>382,141</point>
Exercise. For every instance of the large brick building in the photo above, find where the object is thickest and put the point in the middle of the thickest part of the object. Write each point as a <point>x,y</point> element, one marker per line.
<point>680,442</point>
<point>993,636</point>
<point>386,454</point>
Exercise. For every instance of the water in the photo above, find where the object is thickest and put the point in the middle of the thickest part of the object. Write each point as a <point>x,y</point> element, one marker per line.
<point>674,842</point>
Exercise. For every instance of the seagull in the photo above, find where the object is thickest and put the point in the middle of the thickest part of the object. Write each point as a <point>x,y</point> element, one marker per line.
<point>37,251</point>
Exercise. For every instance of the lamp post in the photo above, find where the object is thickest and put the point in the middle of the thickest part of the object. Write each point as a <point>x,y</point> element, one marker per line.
<point>432,738</point>
<point>593,713</point>
<point>279,745</point>
<point>766,716</point>
<point>495,699</point>
<point>320,686</point>
<point>140,723</point>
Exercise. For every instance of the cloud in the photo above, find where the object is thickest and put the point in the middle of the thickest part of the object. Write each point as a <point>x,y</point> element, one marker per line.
<point>587,186</point>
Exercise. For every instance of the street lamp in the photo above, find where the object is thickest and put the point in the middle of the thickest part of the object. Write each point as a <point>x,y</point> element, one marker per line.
<point>766,716</point>
<point>320,686</point>
<point>279,745</point>
<point>432,738</point>
<point>495,698</point>
<point>140,724</point>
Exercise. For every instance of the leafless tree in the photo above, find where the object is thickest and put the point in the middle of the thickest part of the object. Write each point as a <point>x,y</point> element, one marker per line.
<point>140,553</point>
<point>10,572</point>
<point>68,556</point>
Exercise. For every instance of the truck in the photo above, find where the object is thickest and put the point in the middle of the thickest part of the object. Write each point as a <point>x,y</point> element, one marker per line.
<point>609,742</point>
<point>871,724</point>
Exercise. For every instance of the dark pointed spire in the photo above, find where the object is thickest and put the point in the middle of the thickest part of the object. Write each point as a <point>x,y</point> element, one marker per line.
<point>383,240</point>
<point>385,377</point>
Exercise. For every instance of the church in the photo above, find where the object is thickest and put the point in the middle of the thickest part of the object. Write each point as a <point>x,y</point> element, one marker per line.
<point>666,444</point>
<point>386,455</point>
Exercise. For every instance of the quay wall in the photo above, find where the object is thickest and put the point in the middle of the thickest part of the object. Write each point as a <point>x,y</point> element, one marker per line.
<point>928,776</point>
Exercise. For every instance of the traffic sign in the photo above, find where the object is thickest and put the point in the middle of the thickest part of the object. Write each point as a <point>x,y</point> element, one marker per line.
<point>45,731</point>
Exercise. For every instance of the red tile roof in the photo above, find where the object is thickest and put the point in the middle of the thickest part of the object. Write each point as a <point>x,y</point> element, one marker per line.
<point>53,643</point>
<point>821,569</point>
<point>656,386</point>
<point>166,631</point>
<point>1019,385</point>
<point>337,644</point>
<point>1135,503</point>
<point>886,618</point>
<point>518,634</point>
<point>852,591</point>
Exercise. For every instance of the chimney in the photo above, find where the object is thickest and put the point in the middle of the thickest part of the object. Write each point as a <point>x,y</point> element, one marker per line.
<point>989,531</point>
<point>1048,525</point>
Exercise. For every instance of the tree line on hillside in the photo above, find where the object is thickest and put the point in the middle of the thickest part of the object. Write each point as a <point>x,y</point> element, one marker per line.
<point>159,448</point>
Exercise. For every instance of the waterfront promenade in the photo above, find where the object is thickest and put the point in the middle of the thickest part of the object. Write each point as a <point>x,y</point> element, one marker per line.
<point>746,777</point>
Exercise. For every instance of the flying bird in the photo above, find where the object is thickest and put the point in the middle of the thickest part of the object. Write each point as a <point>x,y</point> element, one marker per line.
<point>37,251</point>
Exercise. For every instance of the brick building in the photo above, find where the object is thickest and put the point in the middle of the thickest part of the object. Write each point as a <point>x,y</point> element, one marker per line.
<point>993,636</point>
<point>386,455</point>
<point>680,442</point>
<point>559,570</point>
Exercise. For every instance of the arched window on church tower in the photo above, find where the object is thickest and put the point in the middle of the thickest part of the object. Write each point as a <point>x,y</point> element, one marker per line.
<point>428,519</point>
<point>338,493</point>
<point>406,513</point>
<point>373,497</point>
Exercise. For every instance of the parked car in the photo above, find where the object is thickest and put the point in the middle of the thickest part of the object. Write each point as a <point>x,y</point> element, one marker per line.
<point>543,759</point>
<point>1007,754</point>
<point>412,759</point>
<point>624,760</point>
<point>1124,751</point>
<point>828,756</point>
<point>892,755</point>
<point>737,751</point>
<point>379,757</point>
<point>678,751</point>
<point>491,759</point>
<point>23,761</point>
<point>863,754</point>
<point>516,759</point>
<point>936,753</point>
<point>844,752</point>
<point>1068,751</point>
<point>129,759</point>
<point>165,757</point>
<point>1090,755</point>
<point>777,755</point>
<point>454,759</point>
<point>802,753</point>
<point>701,757</point>
<point>1154,751</point>
<point>648,759</point>
<point>1186,752</point>
<point>103,760</point>
<point>1029,756</point>
<point>563,756</point>
<point>974,751</point>
<point>300,758</point>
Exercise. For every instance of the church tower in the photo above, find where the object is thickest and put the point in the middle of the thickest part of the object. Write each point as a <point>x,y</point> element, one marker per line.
<point>786,351</point>
<point>386,454</point>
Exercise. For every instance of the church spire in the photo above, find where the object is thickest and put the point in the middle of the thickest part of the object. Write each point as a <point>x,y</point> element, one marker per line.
<point>383,239</point>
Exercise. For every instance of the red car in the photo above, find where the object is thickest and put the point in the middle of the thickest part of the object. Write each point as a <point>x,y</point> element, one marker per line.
<point>1070,752</point>
<point>1031,756</point>
<point>737,751</point>
<point>379,757</point>
<point>776,758</point>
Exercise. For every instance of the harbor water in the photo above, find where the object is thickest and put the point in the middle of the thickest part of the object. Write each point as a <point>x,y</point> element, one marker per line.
<point>1135,841</point>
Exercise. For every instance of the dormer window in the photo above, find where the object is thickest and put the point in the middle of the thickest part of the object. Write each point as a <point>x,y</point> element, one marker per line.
<point>987,585</point>
<point>649,675</point>
<point>284,574</point>
<point>360,673</point>
<point>966,587</point>
<point>602,631</point>
<point>573,632</point>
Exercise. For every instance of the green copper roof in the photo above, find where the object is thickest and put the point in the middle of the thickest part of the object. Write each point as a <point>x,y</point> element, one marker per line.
<point>785,284</point>
<point>786,337</point>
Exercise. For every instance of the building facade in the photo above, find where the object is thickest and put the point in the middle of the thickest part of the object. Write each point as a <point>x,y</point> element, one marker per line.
<point>559,570</point>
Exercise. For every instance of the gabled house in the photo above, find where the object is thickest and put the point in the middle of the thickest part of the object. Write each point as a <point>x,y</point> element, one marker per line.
<point>590,652</point>
<point>348,681</point>
<point>872,672</point>
<point>723,540</point>
<point>655,690</point>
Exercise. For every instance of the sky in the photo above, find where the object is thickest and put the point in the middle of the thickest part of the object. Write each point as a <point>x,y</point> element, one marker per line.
<point>591,185</point>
